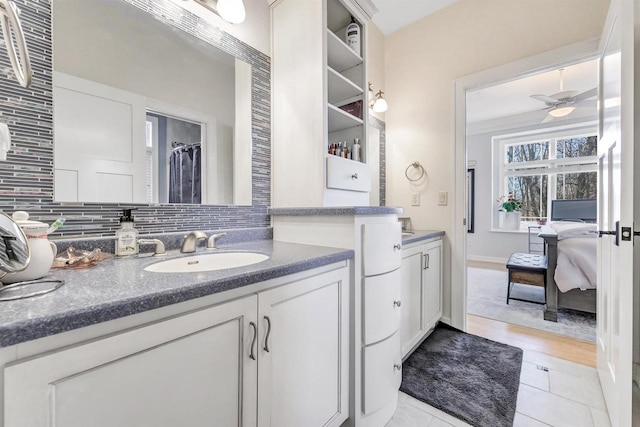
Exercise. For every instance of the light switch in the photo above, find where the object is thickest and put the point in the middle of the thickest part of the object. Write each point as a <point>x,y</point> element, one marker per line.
<point>415,199</point>
<point>443,198</point>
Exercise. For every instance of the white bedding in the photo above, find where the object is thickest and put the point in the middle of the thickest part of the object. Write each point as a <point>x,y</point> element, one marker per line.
<point>577,255</point>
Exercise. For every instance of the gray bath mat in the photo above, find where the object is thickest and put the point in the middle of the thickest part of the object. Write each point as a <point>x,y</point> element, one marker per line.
<point>472,378</point>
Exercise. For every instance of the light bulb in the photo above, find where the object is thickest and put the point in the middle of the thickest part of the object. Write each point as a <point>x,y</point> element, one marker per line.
<point>380,106</point>
<point>562,111</point>
<point>231,11</point>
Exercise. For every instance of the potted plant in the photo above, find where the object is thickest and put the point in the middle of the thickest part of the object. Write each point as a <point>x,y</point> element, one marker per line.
<point>509,212</point>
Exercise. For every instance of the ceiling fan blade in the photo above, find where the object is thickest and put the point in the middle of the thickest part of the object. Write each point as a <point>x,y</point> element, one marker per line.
<point>567,94</point>
<point>544,98</point>
<point>586,95</point>
<point>548,118</point>
<point>587,103</point>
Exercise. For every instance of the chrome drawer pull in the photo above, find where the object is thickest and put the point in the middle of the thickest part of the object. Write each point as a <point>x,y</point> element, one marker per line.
<point>354,176</point>
<point>397,303</point>
<point>266,340</point>
<point>252,355</point>
<point>426,262</point>
<point>397,246</point>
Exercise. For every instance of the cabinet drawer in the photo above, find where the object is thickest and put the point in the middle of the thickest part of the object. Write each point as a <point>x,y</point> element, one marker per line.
<point>345,174</point>
<point>381,306</point>
<point>382,373</point>
<point>381,248</point>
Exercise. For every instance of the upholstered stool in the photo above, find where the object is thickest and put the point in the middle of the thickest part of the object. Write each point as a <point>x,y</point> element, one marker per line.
<point>527,269</point>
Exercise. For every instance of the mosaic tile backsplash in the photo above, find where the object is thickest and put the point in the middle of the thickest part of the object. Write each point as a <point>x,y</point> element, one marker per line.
<point>26,178</point>
<point>381,126</point>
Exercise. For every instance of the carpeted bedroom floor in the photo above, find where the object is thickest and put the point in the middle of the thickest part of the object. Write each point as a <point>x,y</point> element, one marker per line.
<point>487,294</point>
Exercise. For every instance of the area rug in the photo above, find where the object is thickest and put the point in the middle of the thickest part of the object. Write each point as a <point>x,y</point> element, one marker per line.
<point>487,297</point>
<point>469,377</point>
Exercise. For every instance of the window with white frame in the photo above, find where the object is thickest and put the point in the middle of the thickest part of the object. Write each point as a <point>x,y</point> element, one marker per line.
<point>537,170</point>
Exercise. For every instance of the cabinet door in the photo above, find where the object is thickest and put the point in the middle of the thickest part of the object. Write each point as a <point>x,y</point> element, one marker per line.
<point>304,348</point>
<point>413,298</point>
<point>381,248</point>
<point>191,370</point>
<point>382,306</point>
<point>433,284</point>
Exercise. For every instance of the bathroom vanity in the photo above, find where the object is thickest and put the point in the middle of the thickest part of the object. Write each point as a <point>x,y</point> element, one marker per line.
<point>421,273</point>
<point>118,345</point>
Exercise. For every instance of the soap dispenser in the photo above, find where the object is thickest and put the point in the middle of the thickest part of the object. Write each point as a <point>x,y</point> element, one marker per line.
<point>126,236</point>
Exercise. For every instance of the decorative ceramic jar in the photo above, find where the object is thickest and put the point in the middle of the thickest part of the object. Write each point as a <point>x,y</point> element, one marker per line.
<point>42,250</point>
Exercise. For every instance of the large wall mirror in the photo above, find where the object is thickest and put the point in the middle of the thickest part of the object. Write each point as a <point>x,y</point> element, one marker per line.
<point>145,112</point>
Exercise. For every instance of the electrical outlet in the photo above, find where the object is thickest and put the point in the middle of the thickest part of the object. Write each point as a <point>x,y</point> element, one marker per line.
<point>415,199</point>
<point>443,198</point>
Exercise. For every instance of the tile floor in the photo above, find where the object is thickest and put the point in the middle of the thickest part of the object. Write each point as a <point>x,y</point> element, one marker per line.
<point>565,395</point>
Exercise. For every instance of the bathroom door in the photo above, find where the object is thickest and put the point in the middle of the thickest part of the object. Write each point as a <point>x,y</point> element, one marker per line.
<point>616,191</point>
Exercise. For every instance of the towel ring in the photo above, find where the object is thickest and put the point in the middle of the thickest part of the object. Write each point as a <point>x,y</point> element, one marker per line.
<point>418,166</point>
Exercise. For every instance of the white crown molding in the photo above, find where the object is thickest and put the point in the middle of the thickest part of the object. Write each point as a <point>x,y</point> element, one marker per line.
<point>367,7</point>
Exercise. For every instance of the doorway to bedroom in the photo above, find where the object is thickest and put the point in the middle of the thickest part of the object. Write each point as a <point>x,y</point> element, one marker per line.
<point>532,183</point>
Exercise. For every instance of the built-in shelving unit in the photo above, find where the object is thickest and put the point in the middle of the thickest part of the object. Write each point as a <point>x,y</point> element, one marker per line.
<point>340,120</point>
<point>346,82</point>
<point>340,56</point>
<point>340,87</point>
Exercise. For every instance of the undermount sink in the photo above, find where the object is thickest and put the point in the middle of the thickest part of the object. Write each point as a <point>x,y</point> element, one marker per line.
<point>207,262</point>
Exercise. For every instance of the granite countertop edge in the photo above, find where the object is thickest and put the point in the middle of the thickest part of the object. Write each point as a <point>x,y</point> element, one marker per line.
<point>420,235</point>
<point>341,210</point>
<point>29,329</point>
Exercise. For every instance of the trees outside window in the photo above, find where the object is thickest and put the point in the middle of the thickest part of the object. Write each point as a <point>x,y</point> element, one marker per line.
<point>537,172</point>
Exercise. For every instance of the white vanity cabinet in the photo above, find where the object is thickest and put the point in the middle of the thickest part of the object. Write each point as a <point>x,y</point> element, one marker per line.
<point>195,369</point>
<point>201,368</point>
<point>304,353</point>
<point>421,291</point>
<point>316,77</point>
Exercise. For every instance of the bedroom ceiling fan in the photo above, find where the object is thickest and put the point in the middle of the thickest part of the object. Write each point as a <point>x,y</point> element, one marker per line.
<point>563,103</point>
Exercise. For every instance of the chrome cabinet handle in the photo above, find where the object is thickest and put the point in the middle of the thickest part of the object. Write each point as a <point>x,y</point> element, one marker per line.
<point>397,303</point>
<point>426,262</point>
<point>397,246</point>
<point>252,355</point>
<point>266,339</point>
<point>398,367</point>
<point>354,176</point>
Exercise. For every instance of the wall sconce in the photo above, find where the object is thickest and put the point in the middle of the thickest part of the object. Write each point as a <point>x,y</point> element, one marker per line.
<point>377,102</point>
<point>232,11</point>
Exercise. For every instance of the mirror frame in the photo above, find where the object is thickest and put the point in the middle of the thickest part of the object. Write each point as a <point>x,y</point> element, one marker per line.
<point>29,114</point>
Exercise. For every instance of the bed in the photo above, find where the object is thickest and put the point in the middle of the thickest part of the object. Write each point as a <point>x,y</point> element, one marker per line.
<point>571,247</point>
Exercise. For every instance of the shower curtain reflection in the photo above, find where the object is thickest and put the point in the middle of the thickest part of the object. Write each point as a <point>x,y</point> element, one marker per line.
<point>185,173</point>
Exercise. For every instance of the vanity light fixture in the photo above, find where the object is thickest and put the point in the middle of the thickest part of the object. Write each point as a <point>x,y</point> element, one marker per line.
<point>376,102</point>
<point>232,11</point>
<point>380,105</point>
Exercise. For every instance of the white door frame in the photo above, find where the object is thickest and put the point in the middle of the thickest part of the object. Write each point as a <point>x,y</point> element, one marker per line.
<point>540,63</point>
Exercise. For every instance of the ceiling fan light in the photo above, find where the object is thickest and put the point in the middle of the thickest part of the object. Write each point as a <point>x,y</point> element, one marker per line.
<point>562,111</point>
<point>232,11</point>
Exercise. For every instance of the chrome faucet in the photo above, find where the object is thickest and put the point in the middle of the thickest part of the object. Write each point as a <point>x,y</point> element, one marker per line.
<point>190,241</point>
<point>211,243</point>
<point>159,249</point>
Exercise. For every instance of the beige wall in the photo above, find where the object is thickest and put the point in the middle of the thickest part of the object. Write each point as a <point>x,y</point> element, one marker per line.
<point>422,61</point>
<point>375,61</point>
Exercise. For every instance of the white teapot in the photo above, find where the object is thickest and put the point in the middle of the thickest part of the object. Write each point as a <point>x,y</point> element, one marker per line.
<point>42,250</point>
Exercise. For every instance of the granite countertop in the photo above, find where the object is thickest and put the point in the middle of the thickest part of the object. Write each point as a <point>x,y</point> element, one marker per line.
<point>347,210</point>
<point>120,287</point>
<point>419,235</point>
